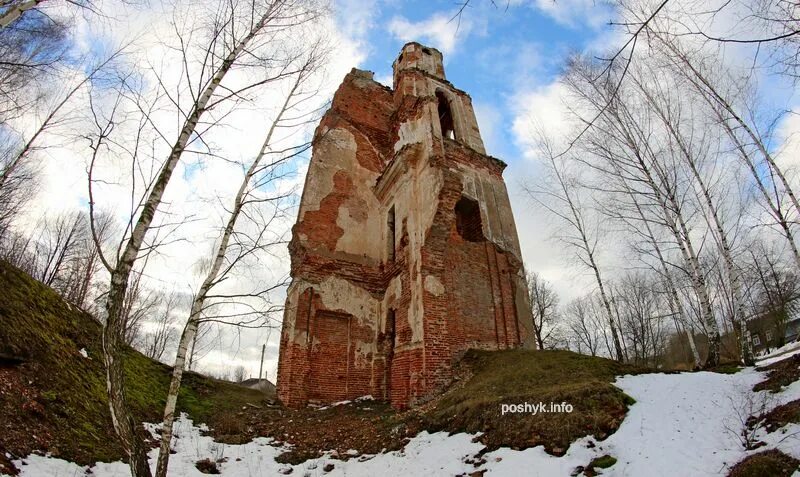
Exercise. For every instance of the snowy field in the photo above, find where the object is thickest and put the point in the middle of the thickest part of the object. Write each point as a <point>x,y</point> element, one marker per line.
<point>681,424</point>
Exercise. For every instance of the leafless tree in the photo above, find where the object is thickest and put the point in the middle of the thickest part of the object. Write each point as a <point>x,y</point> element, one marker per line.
<point>79,283</point>
<point>699,157</point>
<point>581,321</point>
<point>31,53</point>
<point>627,148</point>
<point>57,245</point>
<point>773,286</point>
<point>236,243</point>
<point>560,196</point>
<point>160,330</point>
<point>234,37</point>
<point>735,113</point>
<point>239,374</point>
<point>642,321</point>
<point>544,304</point>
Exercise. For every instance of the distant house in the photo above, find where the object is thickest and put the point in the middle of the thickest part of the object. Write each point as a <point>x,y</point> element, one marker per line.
<point>263,385</point>
<point>776,328</point>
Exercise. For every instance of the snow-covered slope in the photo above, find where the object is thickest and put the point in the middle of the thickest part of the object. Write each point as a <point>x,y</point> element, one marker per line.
<point>681,424</point>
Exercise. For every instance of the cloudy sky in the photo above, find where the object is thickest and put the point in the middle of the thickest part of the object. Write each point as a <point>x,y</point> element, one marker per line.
<point>507,57</point>
<point>508,60</point>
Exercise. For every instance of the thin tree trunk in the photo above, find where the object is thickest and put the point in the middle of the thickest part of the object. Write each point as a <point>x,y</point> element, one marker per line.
<point>212,278</point>
<point>703,83</point>
<point>577,220</point>
<point>670,205</point>
<point>124,423</point>
<point>722,237</point>
<point>672,293</point>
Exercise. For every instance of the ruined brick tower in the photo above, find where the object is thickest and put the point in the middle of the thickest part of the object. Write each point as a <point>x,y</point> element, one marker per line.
<point>405,253</point>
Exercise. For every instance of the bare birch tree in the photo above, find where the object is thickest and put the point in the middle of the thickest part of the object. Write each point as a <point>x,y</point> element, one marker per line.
<point>230,250</point>
<point>236,34</point>
<point>624,146</point>
<point>560,199</point>
<point>544,304</point>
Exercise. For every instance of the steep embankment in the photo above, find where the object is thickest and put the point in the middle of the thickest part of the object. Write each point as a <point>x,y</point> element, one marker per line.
<point>52,380</point>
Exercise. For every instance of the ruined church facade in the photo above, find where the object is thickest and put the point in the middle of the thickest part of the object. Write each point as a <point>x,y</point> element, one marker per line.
<point>405,253</point>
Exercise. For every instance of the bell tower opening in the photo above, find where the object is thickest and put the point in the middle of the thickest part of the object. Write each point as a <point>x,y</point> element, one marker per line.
<point>445,116</point>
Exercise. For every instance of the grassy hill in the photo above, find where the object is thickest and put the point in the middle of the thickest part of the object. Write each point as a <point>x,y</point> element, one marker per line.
<point>516,377</point>
<point>487,380</point>
<point>53,399</point>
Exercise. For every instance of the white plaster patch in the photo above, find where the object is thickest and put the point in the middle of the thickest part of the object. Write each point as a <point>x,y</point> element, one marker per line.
<point>395,288</point>
<point>433,285</point>
<point>414,131</point>
<point>364,353</point>
<point>336,143</point>
<point>339,294</point>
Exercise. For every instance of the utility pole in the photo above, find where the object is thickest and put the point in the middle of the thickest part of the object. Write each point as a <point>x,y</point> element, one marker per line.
<point>261,368</point>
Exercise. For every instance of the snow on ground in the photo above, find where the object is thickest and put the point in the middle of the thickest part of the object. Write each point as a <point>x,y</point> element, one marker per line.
<point>426,454</point>
<point>778,354</point>
<point>681,424</point>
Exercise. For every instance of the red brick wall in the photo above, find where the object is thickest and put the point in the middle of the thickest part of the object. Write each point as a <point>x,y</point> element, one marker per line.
<point>320,361</point>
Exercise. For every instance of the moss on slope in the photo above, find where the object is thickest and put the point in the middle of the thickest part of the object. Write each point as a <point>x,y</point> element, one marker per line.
<point>55,400</point>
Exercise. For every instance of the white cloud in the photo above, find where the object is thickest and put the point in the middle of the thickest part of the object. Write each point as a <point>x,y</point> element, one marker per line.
<point>201,186</point>
<point>540,110</point>
<point>489,120</point>
<point>440,30</point>
<point>572,13</point>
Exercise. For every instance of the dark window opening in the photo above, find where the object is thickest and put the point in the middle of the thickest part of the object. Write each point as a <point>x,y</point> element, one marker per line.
<point>390,233</point>
<point>390,337</point>
<point>426,51</point>
<point>400,58</point>
<point>445,116</point>
<point>389,342</point>
<point>468,220</point>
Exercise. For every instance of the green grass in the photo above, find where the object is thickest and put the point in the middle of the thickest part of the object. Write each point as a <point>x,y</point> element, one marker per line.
<point>603,462</point>
<point>520,376</point>
<point>37,324</point>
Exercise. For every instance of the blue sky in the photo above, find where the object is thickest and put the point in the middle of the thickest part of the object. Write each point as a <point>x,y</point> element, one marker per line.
<point>495,54</point>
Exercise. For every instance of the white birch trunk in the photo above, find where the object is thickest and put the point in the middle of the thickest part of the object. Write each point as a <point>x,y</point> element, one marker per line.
<point>212,278</point>
<point>124,425</point>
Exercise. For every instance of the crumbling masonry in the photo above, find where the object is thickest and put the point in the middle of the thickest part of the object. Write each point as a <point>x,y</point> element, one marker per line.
<point>405,253</point>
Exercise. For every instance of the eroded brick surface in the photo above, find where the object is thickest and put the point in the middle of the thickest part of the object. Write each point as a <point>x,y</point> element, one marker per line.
<point>405,253</point>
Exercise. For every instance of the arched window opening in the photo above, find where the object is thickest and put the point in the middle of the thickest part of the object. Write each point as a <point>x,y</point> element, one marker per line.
<point>468,220</point>
<point>426,51</point>
<point>445,116</point>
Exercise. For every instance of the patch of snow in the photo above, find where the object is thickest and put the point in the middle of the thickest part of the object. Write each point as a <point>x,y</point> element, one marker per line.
<point>785,351</point>
<point>678,426</point>
<point>681,424</point>
<point>83,353</point>
<point>425,454</point>
<point>367,397</point>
